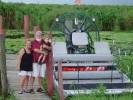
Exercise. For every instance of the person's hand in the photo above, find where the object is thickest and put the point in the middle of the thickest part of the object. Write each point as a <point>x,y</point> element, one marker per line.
<point>44,46</point>
<point>50,40</point>
<point>44,53</point>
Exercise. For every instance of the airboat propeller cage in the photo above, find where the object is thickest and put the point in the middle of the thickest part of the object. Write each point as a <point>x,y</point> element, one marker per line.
<point>80,32</point>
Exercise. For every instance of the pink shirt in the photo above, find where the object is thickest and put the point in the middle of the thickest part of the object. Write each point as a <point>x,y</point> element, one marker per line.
<point>36,45</point>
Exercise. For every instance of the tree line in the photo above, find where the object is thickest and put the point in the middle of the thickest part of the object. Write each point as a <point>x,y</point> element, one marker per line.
<point>108,18</point>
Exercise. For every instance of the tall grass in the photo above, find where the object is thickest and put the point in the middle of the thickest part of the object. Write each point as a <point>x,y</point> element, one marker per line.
<point>108,17</point>
<point>99,94</point>
<point>111,97</point>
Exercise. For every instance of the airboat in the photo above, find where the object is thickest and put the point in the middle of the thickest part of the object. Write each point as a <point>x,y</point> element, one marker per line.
<point>83,61</point>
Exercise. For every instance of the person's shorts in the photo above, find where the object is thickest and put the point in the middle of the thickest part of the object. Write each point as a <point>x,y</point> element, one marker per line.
<point>39,70</point>
<point>25,73</point>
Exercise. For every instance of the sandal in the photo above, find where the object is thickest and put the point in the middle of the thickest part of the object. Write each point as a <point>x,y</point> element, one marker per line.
<point>40,90</point>
<point>21,92</point>
<point>31,91</point>
<point>27,91</point>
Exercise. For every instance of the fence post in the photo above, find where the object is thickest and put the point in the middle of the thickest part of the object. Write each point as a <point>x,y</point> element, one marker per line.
<point>36,28</point>
<point>26,26</point>
<point>4,82</point>
<point>49,74</point>
<point>60,79</point>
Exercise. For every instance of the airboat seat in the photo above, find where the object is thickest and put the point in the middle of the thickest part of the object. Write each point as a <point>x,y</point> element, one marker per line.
<point>102,48</point>
<point>79,38</point>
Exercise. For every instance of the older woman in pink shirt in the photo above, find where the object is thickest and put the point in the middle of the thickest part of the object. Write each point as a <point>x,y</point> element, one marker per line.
<point>38,69</point>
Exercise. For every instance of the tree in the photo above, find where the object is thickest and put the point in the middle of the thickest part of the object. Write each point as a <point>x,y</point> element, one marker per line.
<point>3,73</point>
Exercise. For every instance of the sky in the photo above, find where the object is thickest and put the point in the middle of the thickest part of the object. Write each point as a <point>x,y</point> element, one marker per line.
<point>95,2</point>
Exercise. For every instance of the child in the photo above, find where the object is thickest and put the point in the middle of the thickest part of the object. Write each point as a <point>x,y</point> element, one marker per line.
<point>45,47</point>
<point>24,66</point>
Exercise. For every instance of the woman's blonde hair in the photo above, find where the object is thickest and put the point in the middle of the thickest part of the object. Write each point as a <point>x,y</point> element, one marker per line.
<point>47,35</point>
<point>27,40</point>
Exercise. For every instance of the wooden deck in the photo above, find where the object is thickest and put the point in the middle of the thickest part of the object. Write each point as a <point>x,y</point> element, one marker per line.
<point>13,80</point>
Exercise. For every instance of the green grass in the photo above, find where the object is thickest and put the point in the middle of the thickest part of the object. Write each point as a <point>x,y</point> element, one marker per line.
<point>15,39</point>
<point>122,39</point>
<point>99,94</point>
<point>125,64</point>
<point>14,45</point>
<point>10,97</point>
<point>113,97</point>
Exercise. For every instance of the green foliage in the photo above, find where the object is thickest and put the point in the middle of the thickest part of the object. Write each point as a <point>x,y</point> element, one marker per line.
<point>45,84</point>
<point>125,64</point>
<point>127,96</point>
<point>11,96</point>
<point>99,94</point>
<point>55,96</point>
<point>108,17</point>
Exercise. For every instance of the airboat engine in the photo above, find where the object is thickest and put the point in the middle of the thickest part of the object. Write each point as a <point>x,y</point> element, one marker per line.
<point>79,43</point>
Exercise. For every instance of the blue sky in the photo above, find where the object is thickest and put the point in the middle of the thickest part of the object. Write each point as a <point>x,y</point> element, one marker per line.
<point>98,2</point>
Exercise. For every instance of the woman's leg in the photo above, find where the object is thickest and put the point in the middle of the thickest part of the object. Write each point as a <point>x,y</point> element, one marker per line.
<point>40,82</point>
<point>32,79</point>
<point>22,81</point>
<point>40,86</point>
<point>26,82</point>
<point>40,77</point>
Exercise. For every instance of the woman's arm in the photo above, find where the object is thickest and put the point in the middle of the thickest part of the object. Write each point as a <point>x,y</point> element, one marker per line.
<point>41,47</point>
<point>38,51</point>
<point>19,57</point>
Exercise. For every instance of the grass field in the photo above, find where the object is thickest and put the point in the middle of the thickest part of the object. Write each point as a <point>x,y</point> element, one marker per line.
<point>92,97</point>
<point>15,39</point>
